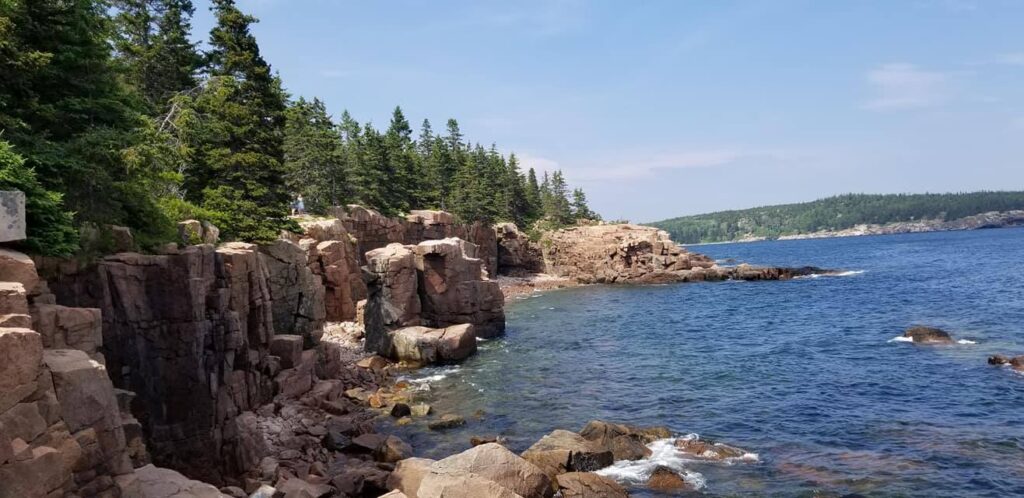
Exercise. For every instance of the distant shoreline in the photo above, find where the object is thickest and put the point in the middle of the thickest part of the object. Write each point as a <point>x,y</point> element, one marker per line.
<point>990,220</point>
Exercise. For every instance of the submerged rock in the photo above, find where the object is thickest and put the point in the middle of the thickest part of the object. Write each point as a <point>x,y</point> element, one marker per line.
<point>666,479</point>
<point>708,450</point>
<point>447,421</point>
<point>928,335</point>
<point>1016,363</point>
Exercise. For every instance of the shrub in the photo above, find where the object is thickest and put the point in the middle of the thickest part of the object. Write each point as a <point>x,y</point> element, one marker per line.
<point>51,229</point>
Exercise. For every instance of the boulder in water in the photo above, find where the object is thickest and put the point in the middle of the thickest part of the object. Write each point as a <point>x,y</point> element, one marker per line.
<point>707,450</point>
<point>563,451</point>
<point>1016,363</point>
<point>928,335</point>
<point>666,479</point>
<point>447,421</point>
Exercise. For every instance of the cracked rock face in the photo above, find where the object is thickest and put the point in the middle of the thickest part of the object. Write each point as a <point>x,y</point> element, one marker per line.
<point>615,253</point>
<point>296,293</point>
<point>373,230</point>
<point>190,334</point>
<point>415,291</point>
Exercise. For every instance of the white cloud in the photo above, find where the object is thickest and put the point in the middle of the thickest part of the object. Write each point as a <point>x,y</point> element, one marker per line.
<point>906,86</point>
<point>1011,59</point>
<point>540,164</point>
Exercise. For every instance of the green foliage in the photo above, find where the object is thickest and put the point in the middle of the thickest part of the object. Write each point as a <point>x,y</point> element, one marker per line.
<point>835,213</point>
<point>313,156</point>
<point>51,229</point>
<point>153,47</point>
<point>67,111</point>
<point>121,119</point>
<point>234,131</point>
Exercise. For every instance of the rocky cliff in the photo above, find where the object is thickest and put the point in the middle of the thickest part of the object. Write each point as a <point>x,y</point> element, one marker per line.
<point>431,285</point>
<point>373,230</point>
<point>625,253</point>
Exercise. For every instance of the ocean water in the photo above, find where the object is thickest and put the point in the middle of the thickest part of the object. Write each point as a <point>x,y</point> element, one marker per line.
<point>802,374</point>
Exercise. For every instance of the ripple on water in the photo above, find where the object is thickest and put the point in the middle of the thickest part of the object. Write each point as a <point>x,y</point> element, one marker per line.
<point>799,372</point>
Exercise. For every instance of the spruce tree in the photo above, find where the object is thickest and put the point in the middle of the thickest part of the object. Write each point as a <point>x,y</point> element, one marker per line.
<point>516,193</point>
<point>534,207</point>
<point>561,212</point>
<point>451,160</point>
<point>67,112</point>
<point>175,60</point>
<point>235,127</point>
<point>313,155</point>
<point>402,168</point>
<point>370,175</point>
<point>580,208</point>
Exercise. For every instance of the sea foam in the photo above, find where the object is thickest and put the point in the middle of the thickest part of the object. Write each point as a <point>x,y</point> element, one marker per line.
<point>901,338</point>
<point>848,273</point>
<point>664,453</point>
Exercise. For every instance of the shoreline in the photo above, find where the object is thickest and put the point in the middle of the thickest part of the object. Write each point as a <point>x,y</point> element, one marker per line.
<point>901,228</point>
<point>517,288</point>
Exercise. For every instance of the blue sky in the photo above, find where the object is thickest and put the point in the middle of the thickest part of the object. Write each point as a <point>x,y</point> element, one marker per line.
<point>665,108</point>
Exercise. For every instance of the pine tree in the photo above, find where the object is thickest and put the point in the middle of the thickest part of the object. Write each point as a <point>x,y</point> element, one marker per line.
<point>402,171</point>
<point>560,210</point>
<point>50,228</point>
<point>154,49</point>
<point>236,129</point>
<point>133,38</point>
<point>175,61</point>
<point>313,156</point>
<point>66,111</point>
<point>369,177</point>
<point>580,208</point>
<point>451,160</point>
<point>516,193</point>
<point>534,207</point>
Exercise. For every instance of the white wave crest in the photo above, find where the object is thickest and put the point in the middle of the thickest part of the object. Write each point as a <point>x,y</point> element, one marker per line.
<point>422,383</point>
<point>966,341</point>
<point>663,453</point>
<point>848,273</point>
<point>901,338</point>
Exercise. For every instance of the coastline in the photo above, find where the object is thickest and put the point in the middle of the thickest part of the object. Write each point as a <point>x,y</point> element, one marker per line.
<point>984,221</point>
<point>515,288</point>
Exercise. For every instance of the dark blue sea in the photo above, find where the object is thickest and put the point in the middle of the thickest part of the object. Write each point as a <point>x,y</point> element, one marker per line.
<point>802,373</point>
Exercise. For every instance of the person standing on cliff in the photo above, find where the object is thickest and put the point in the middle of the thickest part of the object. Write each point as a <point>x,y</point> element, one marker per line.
<point>298,206</point>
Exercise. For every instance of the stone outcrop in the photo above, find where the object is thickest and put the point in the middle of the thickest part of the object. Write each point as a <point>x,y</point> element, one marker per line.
<point>190,334</point>
<point>12,216</point>
<point>373,230</point>
<point>624,253</point>
<point>495,463</point>
<point>331,254</point>
<point>589,485</point>
<point>61,428</point>
<point>564,451</point>
<point>424,346</point>
<point>296,292</point>
<point>192,232</point>
<point>435,284</point>
<point>517,254</point>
